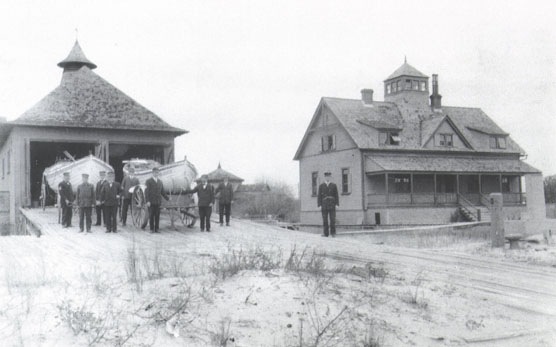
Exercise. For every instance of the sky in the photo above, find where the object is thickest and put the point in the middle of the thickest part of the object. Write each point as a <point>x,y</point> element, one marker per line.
<point>245,77</point>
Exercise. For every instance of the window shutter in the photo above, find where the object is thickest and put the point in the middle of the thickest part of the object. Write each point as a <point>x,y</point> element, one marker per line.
<point>333,142</point>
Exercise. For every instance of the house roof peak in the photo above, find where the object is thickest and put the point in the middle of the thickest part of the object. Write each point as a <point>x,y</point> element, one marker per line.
<point>406,70</point>
<point>76,59</point>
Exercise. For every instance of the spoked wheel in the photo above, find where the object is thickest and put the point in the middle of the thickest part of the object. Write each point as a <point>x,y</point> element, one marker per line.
<point>139,209</point>
<point>188,216</point>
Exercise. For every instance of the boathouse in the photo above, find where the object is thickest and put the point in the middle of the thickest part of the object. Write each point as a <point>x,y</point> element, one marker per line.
<point>84,115</point>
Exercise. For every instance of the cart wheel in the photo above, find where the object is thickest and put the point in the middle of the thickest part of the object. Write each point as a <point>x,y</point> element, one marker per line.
<point>188,216</point>
<point>139,210</point>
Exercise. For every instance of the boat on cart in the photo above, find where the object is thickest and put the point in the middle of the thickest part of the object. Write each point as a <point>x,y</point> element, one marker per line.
<point>53,175</point>
<point>175,177</point>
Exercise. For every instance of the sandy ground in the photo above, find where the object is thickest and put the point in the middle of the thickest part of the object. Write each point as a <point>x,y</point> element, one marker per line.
<point>72,289</point>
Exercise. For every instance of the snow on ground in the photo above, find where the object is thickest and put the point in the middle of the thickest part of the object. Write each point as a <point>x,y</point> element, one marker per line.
<point>257,285</point>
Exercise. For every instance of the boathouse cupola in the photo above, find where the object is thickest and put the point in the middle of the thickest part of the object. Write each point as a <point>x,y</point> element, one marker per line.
<point>76,59</point>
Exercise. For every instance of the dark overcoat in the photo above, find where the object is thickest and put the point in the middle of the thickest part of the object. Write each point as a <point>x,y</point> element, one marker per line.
<point>66,193</point>
<point>328,196</point>
<point>205,195</point>
<point>155,191</point>
<point>110,193</point>
<point>226,192</point>
<point>85,195</point>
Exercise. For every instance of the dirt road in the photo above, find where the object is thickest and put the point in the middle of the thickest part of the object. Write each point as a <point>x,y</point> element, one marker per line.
<point>523,293</point>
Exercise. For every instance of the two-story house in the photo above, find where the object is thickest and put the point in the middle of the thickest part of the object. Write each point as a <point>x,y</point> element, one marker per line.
<point>409,160</point>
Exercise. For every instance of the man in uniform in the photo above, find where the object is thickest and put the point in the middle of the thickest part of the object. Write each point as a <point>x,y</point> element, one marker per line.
<point>109,196</point>
<point>66,200</point>
<point>128,182</point>
<point>327,200</point>
<point>85,200</point>
<point>205,193</point>
<point>99,206</point>
<point>154,194</point>
<point>225,200</point>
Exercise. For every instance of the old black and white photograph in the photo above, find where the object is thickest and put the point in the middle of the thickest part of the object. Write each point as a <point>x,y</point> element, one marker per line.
<point>244,173</point>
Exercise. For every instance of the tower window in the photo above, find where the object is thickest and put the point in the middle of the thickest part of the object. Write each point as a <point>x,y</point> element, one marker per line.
<point>407,84</point>
<point>394,89</point>
<point>423,86</point>
<point>416,85</point>
<point>399,84</point>
<point>388,91</point>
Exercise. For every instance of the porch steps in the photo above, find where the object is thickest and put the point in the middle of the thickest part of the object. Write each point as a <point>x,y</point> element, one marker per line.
<point>472,217</point>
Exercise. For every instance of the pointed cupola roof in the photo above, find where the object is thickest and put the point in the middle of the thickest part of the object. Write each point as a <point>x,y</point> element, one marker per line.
<point>219,174</point>
<point>406,70</point>
<point>76,59</point>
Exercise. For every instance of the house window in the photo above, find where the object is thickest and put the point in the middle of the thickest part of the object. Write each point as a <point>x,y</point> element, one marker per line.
<point>388,91</point>
<point>498,142</point>
<point>9,156</point>
<point>328,143</point>
<point>407,84</point>
<point>346,181</point>
<point>389,138</point>
<point>423,86</point>
<point>314,183</point>
<point>399,183</point>
<point>446,140</point>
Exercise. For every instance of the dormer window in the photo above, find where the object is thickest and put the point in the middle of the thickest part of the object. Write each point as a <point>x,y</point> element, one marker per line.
<point>389,138</point>
<point>328,143</point>
<point>446,140</point>
<point>498,142</point>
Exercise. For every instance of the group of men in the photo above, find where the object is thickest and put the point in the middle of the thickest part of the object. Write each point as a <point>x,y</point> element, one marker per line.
<point>106,195</point>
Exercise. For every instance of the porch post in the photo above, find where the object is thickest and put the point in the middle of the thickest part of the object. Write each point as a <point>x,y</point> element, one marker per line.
<point>411,186</point>
<point>434,188</point>
<point>457,188</point>
<point>480,186</point>
<point>520,191</point>
<point>500,182</point>
<point>386,187</point>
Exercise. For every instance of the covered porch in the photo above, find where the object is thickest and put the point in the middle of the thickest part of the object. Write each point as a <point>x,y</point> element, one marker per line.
<point>438,181</point>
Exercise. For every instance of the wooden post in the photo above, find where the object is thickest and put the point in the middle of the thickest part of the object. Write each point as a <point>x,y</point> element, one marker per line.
<point>434,188</point>
<point>457,188</point>
<point>386,187</point>
<point>411,187</point>
<point>496,220</point>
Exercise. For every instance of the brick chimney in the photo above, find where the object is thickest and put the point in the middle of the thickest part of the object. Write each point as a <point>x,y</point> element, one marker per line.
<point>367,96</point>
<point>436,99</point>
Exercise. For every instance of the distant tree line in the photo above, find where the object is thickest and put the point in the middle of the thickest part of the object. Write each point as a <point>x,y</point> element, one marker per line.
<point>550,189</point>
<point>278,203</point>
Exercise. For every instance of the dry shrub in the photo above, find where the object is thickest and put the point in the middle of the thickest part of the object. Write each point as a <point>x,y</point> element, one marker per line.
<point>234,261</point>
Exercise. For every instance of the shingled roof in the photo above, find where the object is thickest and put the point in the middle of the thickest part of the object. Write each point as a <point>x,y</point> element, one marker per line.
<point>406,70</point>
<point>76,57</point>
<point>416,123</point>
<point>219,174</point>
<point>85,100</point>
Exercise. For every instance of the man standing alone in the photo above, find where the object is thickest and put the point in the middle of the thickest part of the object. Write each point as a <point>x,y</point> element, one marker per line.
<point>85,200</point>
<point>128,182</point>
<point>66,200</point>
<point>205,193</point>
<point>155,193</point>
<point>109,197</point>
<point>327,200</point>
<point>99,206</point>
<point>226,192</point>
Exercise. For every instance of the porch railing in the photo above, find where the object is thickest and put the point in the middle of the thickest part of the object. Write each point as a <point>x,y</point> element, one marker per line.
<point>403,199</point>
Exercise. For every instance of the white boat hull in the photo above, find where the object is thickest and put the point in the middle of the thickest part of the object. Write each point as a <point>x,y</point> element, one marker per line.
<point>90,165</point>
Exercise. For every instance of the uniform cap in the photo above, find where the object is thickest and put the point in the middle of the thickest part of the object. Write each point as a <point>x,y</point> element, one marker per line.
<point>85,175</point>
<point>155,169</point>
<point>327,174</point>
<point>66,173</point>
